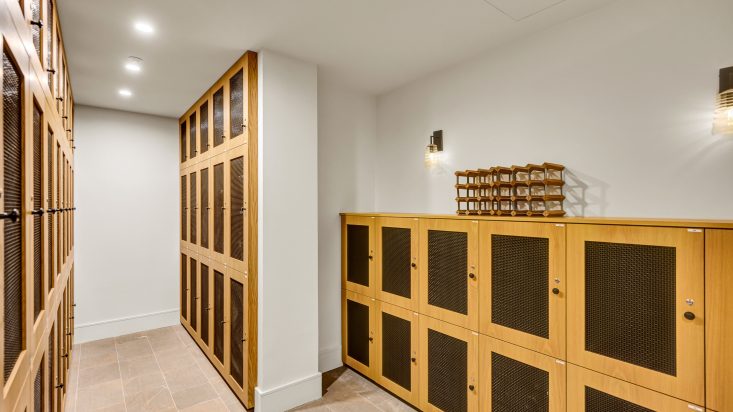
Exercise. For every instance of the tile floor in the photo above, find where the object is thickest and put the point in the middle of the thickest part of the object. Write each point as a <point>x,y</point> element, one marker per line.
<point>164,370</point>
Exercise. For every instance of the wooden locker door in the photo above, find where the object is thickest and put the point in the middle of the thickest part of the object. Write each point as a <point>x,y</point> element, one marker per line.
<point>52,365</point>
<point>237,320</point>
<point>204,208</point>
<point>219,317</point>
<point>219,119</point>
<point>235,218</point>
<point>184,287</point>
<point>357,328</point>
<point>357,254</point>
<point>204,118</point>
<point>35,203</point>
<point>193,191</point>
<point>719,312</point>
<point>518,379</point>
<point>183,142</point>
<point>60,364</point>
<point>184,207</point>
<point>449,271</point>
<point>219,198</point>
<point>396,261</point>
<point>206,277</point>
<point>448,367</point>
<point>193,136</point>
<point>237,106</point>
<point>590,391</point>
<point>397,336</point>
<point>39,385</point>
<point>193,294</point>
<point>636,306</point>
<point>522,288</point>
<point>51,211</point>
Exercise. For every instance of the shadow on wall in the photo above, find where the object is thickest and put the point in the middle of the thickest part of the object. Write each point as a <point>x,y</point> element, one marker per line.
<point>584,195</point>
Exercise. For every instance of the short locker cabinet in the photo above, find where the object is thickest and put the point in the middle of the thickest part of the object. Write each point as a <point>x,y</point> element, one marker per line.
<point>522,288</point>
<point>636,306</point>
<point>358,255</point>
<point>590,391</point>
<point>518,379</point>
<point>396,261</point>
<point>358,325</point>
<point>397,351</point>
<point>448,367</point>
<point>449,271</point>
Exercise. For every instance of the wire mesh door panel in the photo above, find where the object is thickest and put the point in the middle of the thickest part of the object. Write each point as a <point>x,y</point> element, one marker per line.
<point>517,379</point>
<point>522,291</point>
<point>636,305</point>
<point>448,367</point>
<point>184,287</point>
<point>396,346</point>
<point>38,284</point>
<point>218,209</point>
<point>204,129</point>
<point>396,261</point>
<point>238,328</point>
<point>205,208</point>
<point>193,294</point>
<point>236,217</point>
<point>358,325</point>
<point>219,121</point>
<point>184,206</point>
<point>183,141</point>
<point>219,317</point>
<point>192,136</point>
<point>50,239</point>
<point>590,391</point>
<point>237,107</point>
<point>357,260</point>
<point>193,208</point>
<point>448,262</point>
<point>205,272</point>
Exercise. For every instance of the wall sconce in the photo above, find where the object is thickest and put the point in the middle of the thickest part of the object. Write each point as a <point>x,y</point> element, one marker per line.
<point>434,149</point>
<point>723,123</point>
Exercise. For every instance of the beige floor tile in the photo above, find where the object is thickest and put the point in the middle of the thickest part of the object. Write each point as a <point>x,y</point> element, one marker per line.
<point>235,407</point>
<point>91,360</point>
<point>99,374</point>
<point>187,377</point>
<point>166,342</point>
<point>130,368</point>
<point>129,337</point>
<point>214,405</point>
<point>191,396</point>
<point>134,349</point>
<point>153,399</point>
<point>104,395</point>
<point>96,348</point>
<point>140,383</point>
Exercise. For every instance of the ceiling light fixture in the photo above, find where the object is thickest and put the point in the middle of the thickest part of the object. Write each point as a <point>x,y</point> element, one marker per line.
<point>125,92</point>
<point>723,122</point>
<point>134,64</point>
<point>144,27</point>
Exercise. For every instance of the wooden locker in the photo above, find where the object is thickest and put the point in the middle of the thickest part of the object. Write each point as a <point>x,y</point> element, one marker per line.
<point>219,207</point>
<point>184,288</point>
<point>397,351</point>
<point>219,121</point>
<point>396,261</point>
<point>636,306</point>
<point>219,316</point>
<point>719,315</point>
<point>357,328</point>
<point>522,288</point>
<point>204,209</point>
<point>235,183</point>
<point>238,343</point>
<point>183,141</point>
<point>518,379</point>
<point>357,254</point>
<point>205,300</point>
<point>448,367</point>
<point>204,117</point>
<point>184,205</point>
<point>193,209</point>
<point>193,294</point>
<point>192,137</point>
<point>50,208</point>
<point>590,391</point>
<point>449,271</point>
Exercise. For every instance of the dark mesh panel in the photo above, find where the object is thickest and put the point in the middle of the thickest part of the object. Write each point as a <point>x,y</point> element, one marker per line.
<point>447,264</point>
<point>597,401</point>
<point>12,156</point>
<point>205,304</point>
<point>357,331</point>
<point>236,104</point>
<point>50,239</point>
<point>204,127</point>
<point>204,208</point>
<point>396,256</point>
<point>38,390</point>
<point>184,207</point>
<point>447,372</point>
<point>237,208</point>
<point>193,294</point>
<point>219,208</point>
<point>37,219</point>
<point>183,142</point>
<point>396,350</point>
<point>357,254</point>
<point>192,209</point>
<point>51,360</point>
<point>192,135</point>
<point>237,332</point>
<point>219,117</point>
<point>519,283</point>
<point>49,42</point>
<point>219,315</point>
<point>35,29</point>
<point>516,386</point>
<point>184,286</point>
<point>630,304</point>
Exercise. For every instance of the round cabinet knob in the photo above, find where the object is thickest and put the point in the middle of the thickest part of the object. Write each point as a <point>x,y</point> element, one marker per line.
<point>471,388</point>
<point>689,316</point>
<point>472,276</point>
<point>371,339</point>
<point>371,257</point>
<point>414,265</point>
<point>556,291</point>
<point>413,360</point>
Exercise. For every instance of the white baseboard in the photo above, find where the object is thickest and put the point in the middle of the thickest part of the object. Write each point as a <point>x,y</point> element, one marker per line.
<point>329,358</point>
<point>121,326</point>
<point>285,397</point>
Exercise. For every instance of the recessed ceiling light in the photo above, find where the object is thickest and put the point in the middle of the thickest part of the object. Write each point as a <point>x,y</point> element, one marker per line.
<point>134,64</point>
<point>125,92</point>
<point>144,27</point>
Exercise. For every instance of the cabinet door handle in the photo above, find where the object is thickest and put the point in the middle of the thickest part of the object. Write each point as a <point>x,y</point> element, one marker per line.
<point>414,265</point>
<point>472,276</point>
<point>556,291</point>
<point>689,316</point>
<point>38,212</point>
<point>38,23</point>
<point>13,215</point>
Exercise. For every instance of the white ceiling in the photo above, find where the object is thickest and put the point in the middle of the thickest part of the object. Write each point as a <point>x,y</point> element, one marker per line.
<point>369,45</point>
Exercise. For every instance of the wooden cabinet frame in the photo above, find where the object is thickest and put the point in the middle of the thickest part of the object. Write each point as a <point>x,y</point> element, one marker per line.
<point>556,369</point>
<point>719,315</point>
<point>469,321</point>
<point>413,225</point>
<point>472,338</point>
<point>689,384</point>
<point>555,233</point>
<point>351,286</point>
<point>579,378</point>
<point>412,396</point>
<point>367,370</point>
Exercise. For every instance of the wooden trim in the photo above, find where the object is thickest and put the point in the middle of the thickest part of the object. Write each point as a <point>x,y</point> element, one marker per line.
<point>413,226</point>
<point>719,315</point>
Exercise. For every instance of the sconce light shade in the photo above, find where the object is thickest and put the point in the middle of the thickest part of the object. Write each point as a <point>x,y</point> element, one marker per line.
<point>434,149</point>
<point>723,122</point>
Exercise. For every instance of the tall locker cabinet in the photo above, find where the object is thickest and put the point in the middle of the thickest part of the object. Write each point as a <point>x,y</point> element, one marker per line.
<point>218,224</point>
<point>36,208</point>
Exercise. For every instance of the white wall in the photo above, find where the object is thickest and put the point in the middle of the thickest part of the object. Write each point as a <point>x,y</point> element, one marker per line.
<point>347,122</point>
<point>288,234</point>
<point>126,263</point>
<point>622,96</point>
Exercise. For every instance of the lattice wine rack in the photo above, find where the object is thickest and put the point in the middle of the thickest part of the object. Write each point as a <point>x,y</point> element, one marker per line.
<point>532,190</point>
